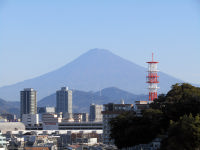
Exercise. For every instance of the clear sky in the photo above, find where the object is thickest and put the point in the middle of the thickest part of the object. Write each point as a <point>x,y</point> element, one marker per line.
<point>38,36</point>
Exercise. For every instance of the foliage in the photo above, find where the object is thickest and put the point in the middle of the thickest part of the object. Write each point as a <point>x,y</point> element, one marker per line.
<point>183,134</point>
<point>128,129</point>
<point>183,99</point>
<point>180,100</point>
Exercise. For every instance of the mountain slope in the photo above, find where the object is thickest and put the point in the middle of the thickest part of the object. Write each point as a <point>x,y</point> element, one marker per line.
<point>9,107</point>
<point>94,70</point>
<point>82,100</point>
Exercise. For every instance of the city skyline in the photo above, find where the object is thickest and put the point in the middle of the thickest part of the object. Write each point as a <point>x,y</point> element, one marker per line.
<point>39,37</point>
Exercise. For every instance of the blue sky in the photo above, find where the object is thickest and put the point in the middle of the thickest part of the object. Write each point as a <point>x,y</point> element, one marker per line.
<point>38,36</point>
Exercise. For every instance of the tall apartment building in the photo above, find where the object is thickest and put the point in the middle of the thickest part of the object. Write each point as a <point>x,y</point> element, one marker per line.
<point>95,113</point>
<point>111,111</point>
<point>64,101</point>
<point>28,101</point>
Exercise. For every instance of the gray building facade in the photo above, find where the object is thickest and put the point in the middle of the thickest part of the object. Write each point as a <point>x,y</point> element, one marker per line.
<point>95,113</point>
<point>28,101</point>
<point>64,101</point>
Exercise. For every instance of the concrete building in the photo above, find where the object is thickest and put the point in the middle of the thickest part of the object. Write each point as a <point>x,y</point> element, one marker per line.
<point>112,110</point>
<point>11,126</point>
<point>140,106</point>
<point>51,120</point>
<point>80,126</point>
<point>86,141</point>
<point>28,102</point>
<point>3,119</point>
<point>3,143</point>
<point>30,119</point>
<point>95,113</point>
<point>9,117</point>
<point>64,102</point>
<point>80,117</point>
<point>85,117</point>
<point>46,109</point>
<point>77,117</point>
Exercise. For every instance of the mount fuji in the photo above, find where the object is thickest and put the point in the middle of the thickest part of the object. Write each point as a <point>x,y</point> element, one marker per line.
<point>93,70</point>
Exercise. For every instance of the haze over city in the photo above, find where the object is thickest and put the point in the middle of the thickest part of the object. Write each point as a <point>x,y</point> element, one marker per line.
<point>41,36</point>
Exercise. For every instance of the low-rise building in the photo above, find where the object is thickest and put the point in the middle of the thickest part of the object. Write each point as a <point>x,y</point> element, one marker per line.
<point>9,117</point>
<point>44,110</point>
<point>30,119</point>
<point>51,120</point>
<point>140,106</point>
<point>11,126</point>
<point>80,126</point>
<point>3,143</point>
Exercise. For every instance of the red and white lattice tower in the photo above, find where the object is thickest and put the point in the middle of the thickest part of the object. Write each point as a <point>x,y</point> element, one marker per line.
<point>152,79</point>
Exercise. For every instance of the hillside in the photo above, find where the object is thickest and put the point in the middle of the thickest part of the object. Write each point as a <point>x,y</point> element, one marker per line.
<point>9,107</point>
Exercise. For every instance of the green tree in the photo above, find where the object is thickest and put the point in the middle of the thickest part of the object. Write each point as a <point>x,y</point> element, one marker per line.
<point>128,129</point>
<point>183,134</point>
<point>180,100</point>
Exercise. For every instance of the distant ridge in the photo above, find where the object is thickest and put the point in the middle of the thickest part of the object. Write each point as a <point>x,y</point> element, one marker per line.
<point>82,100</point>
<point>94,70</point>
